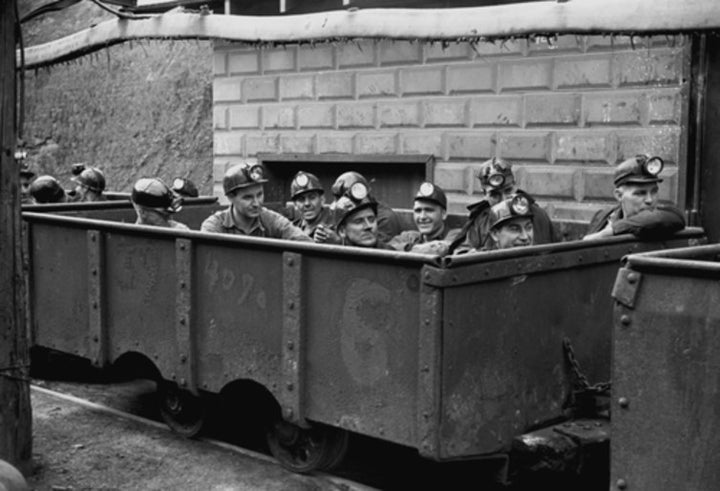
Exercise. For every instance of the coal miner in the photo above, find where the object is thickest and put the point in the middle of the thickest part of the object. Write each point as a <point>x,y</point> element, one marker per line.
<point>498,183</point>
<point>511,224</point>
<point>155,202</point>
<point>246,215</point>
<point>388,222</point>
<point>429,213</point>
<point>315,217</point>
<point>89,185</point>
<point>637,212</point>
<point>356,218</point>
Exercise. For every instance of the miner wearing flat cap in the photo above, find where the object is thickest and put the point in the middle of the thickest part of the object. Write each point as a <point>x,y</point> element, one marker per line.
<point>429,212</point>
<point>637,212</point>
<point>497,181</point>
<point>246,215</point>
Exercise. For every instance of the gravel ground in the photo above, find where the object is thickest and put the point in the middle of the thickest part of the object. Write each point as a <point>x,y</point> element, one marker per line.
<point>78,448</point>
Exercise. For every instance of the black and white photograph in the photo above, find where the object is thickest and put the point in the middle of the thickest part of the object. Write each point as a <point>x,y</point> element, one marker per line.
<point>359,245</point>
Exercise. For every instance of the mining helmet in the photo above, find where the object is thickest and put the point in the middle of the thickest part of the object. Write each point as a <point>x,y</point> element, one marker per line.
<point>344,181</point>
<point>92,178</point>
<point>152,192</point>
<point>517,206</point>
<point>243,175</point>
<point>496,174</point>
<point>356,198</point>
<point>432,193</point>
<point>185,187</point>
<point>304,182</point>
<point>640,169</point>
<point>46,189</point>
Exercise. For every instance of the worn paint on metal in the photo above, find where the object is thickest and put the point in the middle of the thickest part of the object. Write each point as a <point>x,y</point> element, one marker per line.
<point>363,346</point>
<point>666,374</point>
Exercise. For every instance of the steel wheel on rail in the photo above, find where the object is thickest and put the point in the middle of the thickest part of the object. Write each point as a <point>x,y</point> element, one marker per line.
<point>181,410</point>
<point>305,450</point>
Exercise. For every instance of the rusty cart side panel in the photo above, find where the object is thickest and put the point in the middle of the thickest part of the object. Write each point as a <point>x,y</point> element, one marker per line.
<point>237,313</point>
<point>666,372</point>
<point>59,280</point>
<point>139,276</point>
<point>503,367</point>
<point>362,345</point>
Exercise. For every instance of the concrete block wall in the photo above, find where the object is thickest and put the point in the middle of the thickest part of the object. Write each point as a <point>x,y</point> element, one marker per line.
<point>564,110</point>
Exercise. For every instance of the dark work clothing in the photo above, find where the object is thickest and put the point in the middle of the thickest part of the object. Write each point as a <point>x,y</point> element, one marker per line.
<point>388,222</point>
<point>269,224</point>
<point>408,239</point>
<point>475,233</point>
<point>661,222</point>
<point>326,217</point>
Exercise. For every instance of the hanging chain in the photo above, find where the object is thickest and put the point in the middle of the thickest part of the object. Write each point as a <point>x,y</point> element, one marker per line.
<point>581,381</point>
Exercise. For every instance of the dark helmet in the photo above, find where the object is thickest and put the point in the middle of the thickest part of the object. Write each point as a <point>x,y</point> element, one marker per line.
<point>344,181</point>
<point>185,187</point>
<point>432,193</point>
<point>304,182</point>
<point>92,178</point>
<point>46,189</point>
<point>496,174</point>
<point>243,175</point>
<point>356,198</point>
<point>152,192</point>
<point>517,206</point>
<point>641,169</point>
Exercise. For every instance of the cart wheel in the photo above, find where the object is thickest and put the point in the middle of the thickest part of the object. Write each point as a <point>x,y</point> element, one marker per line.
<point>305,450</point>
<point>182,411</point>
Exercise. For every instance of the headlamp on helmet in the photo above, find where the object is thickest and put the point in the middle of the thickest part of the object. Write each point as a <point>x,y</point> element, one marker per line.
<point>256,173</point>
<point>650,165</point>
<point>243,175</point>
<point>432,193</point>
<point>520,205</point>
<point>517,206</point>
<point>345,181</point>
<point>496,174</point>
<point>304,182</point>
<point>358,191</point>
<point>642,169</point>
<point>184,187</point>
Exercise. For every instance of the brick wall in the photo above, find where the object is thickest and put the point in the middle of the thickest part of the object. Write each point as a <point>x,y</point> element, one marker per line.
<point>565,111</point>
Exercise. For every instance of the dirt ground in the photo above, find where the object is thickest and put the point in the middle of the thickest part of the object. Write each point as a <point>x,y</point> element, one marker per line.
<point>76,448</point>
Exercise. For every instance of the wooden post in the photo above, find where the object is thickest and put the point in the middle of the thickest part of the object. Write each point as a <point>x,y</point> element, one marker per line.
<point>15,412</point>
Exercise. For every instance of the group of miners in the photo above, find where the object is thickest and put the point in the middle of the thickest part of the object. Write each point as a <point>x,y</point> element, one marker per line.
<point>506,217</point>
